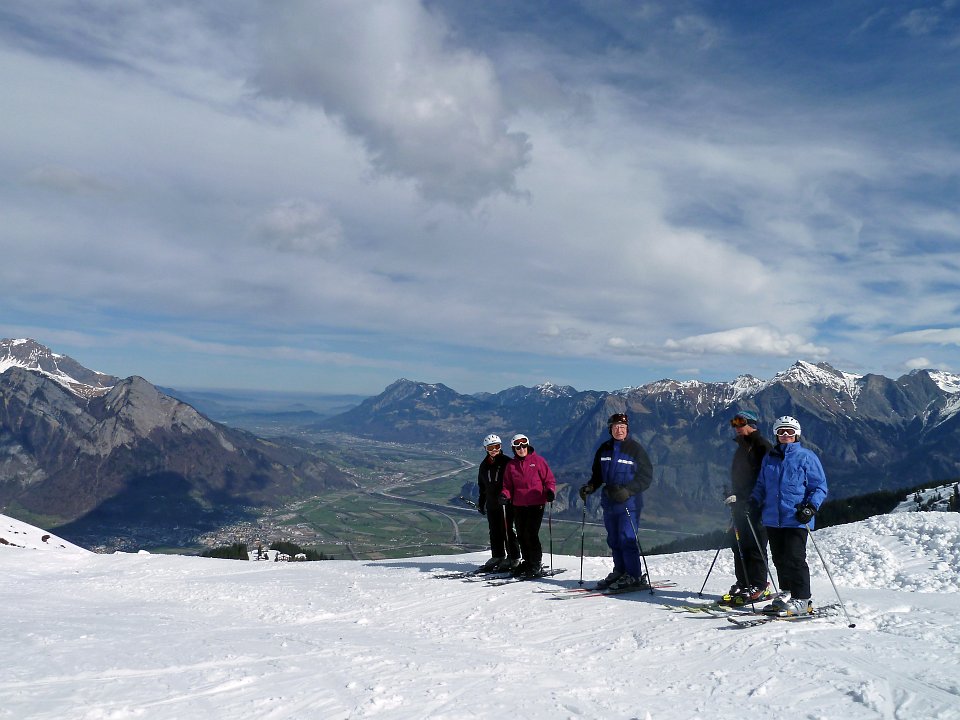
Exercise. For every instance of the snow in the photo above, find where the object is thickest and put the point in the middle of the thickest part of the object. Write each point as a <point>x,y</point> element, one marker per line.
<point>804,373</point>
<point>935,498</point>
<point>60,377</point>
<point>948,382</point>
<point>97,637</point>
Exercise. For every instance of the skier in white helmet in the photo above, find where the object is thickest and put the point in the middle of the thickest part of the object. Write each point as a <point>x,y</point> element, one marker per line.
<point>504,549</point>
<point>789,491</point>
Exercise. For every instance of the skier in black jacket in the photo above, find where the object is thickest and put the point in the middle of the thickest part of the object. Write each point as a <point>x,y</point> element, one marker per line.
<point>504,548</point>
<point>749,558</point>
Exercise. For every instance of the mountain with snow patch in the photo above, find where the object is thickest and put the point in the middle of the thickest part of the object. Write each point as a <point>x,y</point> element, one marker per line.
<point>870,431</point>
<point>62,369</point>
<point>119,462</point>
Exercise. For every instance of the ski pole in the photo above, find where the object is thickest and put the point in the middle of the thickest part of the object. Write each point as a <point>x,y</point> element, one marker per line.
<point>700,594</point>
<point>583,525</point>
<point>506,532</point>
<point>743,560</point>
<point>643,557</point>
<point>550,533</point>
<point>763,554</point>
<point>825,567</point>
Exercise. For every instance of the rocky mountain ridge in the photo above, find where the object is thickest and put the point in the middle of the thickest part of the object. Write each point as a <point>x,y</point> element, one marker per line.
<point>103,455</point>
<point>871,432</point>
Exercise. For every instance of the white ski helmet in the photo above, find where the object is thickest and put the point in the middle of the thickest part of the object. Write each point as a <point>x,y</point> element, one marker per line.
<point>786,422</point>
<point>492,439</point>
<point>520,436</point>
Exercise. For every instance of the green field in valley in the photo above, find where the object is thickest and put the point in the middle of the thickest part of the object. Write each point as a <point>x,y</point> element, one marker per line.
<point>407,504</point>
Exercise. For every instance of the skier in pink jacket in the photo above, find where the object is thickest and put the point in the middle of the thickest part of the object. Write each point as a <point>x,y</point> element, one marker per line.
<point>528,484</point>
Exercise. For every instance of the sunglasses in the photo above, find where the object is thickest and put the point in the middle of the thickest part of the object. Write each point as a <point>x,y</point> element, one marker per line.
<point>493,446</point>
<point>738,422</point>
<point>789,432</point>
<point>520,444</point>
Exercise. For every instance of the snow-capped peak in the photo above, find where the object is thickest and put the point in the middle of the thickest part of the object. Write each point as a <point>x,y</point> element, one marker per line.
<point>948,382</point>
<point>551,390</point>
<point>62,369</point>
<point>808,374</point>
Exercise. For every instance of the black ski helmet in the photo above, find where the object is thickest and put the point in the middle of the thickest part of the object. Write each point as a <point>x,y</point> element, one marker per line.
<point>617,418</point>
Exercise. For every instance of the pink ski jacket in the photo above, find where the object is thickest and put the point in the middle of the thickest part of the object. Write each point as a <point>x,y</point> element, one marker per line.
<point>526,481</point>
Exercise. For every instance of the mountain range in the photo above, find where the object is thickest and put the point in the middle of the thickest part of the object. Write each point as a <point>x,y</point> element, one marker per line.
<point>95,455</point>
<point>871,432</point>
<point>99,456</point>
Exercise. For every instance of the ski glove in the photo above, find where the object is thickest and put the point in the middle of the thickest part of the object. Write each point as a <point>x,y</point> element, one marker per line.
<point>481,509</point>
<point>618,494</point>
<point>730,500</point>
<point>586,490</point>
<point>550,495</point>
<point>504,500</point>
<point>805,512</point>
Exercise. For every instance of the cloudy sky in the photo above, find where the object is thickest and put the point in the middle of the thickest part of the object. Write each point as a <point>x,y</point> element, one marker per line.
<point>329,195</point>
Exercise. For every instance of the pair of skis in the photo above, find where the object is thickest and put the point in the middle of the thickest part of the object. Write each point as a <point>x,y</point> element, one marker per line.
<point>743,617</point>
<point>510,579</point>
<point>746,620</point>
<point>578,593</point>
<point>463,575</point>
<point>495,577</point>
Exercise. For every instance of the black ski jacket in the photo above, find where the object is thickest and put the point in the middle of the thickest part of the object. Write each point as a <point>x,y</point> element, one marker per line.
<point>747,461</point>
<point>490,481</point>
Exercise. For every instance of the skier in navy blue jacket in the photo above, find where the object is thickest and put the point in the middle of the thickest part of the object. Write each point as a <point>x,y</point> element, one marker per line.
<point>789,491</point>
<point>623,468</point>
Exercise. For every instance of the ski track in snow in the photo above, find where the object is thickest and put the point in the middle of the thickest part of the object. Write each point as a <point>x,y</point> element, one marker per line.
<point>123,636</point>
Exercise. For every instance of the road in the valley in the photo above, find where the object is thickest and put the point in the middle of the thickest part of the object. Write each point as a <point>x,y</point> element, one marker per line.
<point>448,511</point>
<point>442,509</point>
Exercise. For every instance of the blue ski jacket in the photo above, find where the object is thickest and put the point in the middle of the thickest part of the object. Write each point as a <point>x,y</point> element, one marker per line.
<point>621,463</point>
<point>789,476</point>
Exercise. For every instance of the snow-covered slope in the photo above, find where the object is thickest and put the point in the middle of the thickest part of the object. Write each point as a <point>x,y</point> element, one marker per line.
<point>20,535</point>
<point>148,636</point>
<point>936,498</point>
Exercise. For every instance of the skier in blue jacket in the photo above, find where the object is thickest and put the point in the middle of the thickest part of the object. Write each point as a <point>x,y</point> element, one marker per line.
<point>623,467</point>
<point>789,491</point>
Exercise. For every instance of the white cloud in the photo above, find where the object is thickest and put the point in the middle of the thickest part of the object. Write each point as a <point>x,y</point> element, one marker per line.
<point>753,340</point>
<point>425,109</point>
<point>932,336</point>
<point>263,167</point>
<point>920,21</point>
<point>64,179</point>
<point>300,226</point>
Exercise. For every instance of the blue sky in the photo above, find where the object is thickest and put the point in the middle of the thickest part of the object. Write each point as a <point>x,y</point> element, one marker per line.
<point>327,196</point>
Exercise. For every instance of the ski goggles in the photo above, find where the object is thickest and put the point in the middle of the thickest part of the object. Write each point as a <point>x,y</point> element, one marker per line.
<point>493,446</point>
<point>521,443</point>
<point>789,432</point>
<point>738,422</point>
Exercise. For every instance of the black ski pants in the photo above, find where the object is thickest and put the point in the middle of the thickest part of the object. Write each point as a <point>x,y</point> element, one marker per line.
<point>503,535</point>
<point>789,549</point>
<point>749,558</point>
<point>528,519</point>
